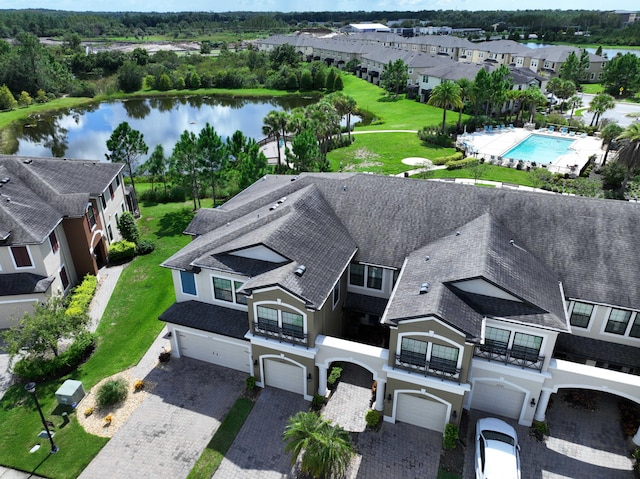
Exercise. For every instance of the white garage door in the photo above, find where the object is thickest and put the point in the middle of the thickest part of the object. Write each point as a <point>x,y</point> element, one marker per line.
<point>285,376</point>
<point>227,353</point>
<point>421,412</point>
<point>497,399</point>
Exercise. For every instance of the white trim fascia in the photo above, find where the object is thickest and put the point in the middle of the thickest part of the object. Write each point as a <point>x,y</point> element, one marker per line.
<point>346,267</point>
<point>393,290</point>
<point>309,353</point>
<point>426,381</point>
<point>30,300</point>
<point>606,305</point>
<point>528,325</point>
<point>431,318</point>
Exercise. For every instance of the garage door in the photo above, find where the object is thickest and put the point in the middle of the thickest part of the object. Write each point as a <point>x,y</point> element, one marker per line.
<point>285,376</point>
<point>421,412</point>
<point>497,399</point>
<point>227,353</point>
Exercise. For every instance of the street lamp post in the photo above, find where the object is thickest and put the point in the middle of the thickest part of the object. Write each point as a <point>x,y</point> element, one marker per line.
<point>31,388</point>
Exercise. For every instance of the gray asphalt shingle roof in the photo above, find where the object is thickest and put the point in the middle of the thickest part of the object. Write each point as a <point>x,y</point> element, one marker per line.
<point>587,244</point>
<point>208,317</point>
<point>24,283</point>
<point>41,191</point>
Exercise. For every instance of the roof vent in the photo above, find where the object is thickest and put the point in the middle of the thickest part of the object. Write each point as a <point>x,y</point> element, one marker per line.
<point>426,258</point>
<point>273,206</point>
<point>512,243</point>
<point>28,161</point>
<point>457,233</point>
<point>424,288</point>
<point>344,188</point>
<point>282,200</point>
<point>300,270</point>
<point>294,178</point>
<point>4,180</point>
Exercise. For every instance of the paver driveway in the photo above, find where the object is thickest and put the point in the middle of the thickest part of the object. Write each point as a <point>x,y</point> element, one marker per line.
<point>167,433</point>
<point>258,450</point>
<point>582,444</point>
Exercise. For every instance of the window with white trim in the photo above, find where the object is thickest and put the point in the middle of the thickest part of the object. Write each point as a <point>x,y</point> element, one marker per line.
<point>240,298</point>
<point>444,358</point>
<point>496,340</point>
<point>526,346</point>
<point>634,332</point>
<point>413,351</point>
<point>336,293</point>
<point>226,290</point>
<point>91,216</point>
<point>581,315</point>
<point>618,321</point>
<point>356,274</point>
<point>373,274</point>
<point>292,324</point>
<point>188,282</point>
<point>21,257</point>
<point>267,318</point>
<point>53,241</point>
<point>64,279</point>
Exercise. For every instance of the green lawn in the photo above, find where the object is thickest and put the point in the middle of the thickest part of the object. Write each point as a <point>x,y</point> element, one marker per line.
<point>492,173</point>
<point>383,153</point>
<point>129,326</point>
<point>401,114</point>
<point>212,456</point>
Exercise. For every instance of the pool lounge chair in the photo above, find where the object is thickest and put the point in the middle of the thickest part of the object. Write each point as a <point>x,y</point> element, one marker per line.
<point>572,133</point>
<point>563,130</point>
<point>551,129</point>
<point>511,126</point>
<point>486,129</point>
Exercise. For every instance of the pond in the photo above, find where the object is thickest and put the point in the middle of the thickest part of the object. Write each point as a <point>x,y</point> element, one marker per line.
<point>83,132</point>
<point>606,52</point>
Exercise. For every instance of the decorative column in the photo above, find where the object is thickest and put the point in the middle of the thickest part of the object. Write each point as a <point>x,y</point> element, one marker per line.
<point>322,379</point>
<point>380,394</point>
<point>543,402</point>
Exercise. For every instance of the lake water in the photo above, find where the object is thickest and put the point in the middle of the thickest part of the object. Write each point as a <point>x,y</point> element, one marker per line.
<point>83,132</point>
<point>608,52</point>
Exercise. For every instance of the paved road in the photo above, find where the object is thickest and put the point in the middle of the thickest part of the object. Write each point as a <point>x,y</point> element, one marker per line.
<point>618,114</point>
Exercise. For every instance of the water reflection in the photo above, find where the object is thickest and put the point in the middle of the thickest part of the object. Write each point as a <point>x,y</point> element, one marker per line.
<point>83,132</point>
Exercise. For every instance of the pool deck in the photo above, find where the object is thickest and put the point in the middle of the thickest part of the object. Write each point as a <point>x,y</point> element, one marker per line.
<point>492,147</point>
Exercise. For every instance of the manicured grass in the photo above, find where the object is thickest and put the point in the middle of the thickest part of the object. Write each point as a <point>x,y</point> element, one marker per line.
<point>401,114</point>
<point>592,88</point>
<point>128,327</point>
<point>492,173</point>
<point>382,153</point>
<point>447,475</point>
<point>212,456</point>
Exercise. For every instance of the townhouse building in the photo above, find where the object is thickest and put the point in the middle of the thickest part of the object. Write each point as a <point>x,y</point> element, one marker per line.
<point>452,297</point>
<point>57,218</point>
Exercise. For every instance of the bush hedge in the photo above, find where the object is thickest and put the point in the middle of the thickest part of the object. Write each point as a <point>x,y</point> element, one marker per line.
<point>38,369</point>
<point>145,247</point>
<point>175,194</point>
<point>82,295</point>
<point>121,251</point>
<point>443,160</point>
<point>461,163</point>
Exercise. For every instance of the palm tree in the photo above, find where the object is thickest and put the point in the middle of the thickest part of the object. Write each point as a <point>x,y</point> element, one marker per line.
<point>345,106</point>
<point>326,450</point>
<point>600,103</point>
<point>574,102</point>
<point>535,98</point>
<point>608,134</point>
<point>466,87</point>
<point>275,124</point>
<point>629,151</point>
<point>446,94</point>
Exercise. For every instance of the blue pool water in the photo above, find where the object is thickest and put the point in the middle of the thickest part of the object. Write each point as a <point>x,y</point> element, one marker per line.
<point>542,149</point>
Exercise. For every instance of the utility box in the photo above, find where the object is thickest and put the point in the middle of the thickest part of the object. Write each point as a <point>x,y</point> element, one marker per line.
<point>70,393</point>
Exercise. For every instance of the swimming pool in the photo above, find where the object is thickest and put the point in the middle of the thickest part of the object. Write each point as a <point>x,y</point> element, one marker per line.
<point>541,149</point>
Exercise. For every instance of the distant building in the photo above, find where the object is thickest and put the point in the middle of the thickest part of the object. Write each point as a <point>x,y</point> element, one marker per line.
<point>365,27</point>
<point>627,17</point>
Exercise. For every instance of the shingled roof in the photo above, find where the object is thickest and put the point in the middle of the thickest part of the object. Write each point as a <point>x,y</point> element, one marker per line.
<point>37,193</point>
<point>586,244</point>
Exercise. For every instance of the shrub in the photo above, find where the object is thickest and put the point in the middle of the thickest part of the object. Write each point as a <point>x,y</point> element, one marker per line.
<point>461,163</point>
<point>108,418</point>
<point>138,385</point>
<point>39,369</point>
<point>433,136</point>
<point>176,194</point>
<point>164,357</point>
<point>88,412</point>
<point>250,383</point>
<point>451,434</point>
<point>317,402</point>
<point>121,251</point>
<point>443,160</point>
<point>372,418</point>
<point>145,247</point>
<point>82,295</point>
<point>336,371</point>
<point>128,227</point>
<point>111,392</point>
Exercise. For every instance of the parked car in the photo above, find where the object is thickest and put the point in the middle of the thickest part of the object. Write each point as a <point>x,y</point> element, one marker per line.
<point>497,450</point>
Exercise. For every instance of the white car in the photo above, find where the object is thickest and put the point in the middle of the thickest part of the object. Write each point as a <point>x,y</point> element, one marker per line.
<point>497,450</point>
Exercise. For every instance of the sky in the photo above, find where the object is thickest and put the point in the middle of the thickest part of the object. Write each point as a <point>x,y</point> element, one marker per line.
<point>316,5</point>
